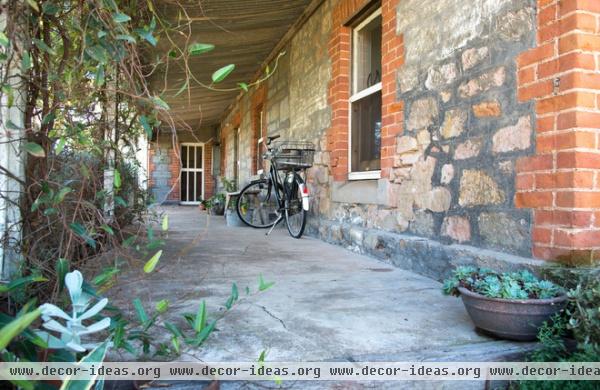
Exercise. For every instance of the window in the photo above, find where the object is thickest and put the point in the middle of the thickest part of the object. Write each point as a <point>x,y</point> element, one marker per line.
<point>365,99</point>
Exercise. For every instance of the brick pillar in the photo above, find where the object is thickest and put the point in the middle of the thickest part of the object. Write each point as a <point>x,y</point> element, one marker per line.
<point>561,182</point>
<point>392,112</point>
<point>207,174</point>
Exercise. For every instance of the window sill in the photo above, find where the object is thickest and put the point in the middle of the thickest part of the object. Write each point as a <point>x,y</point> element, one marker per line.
<point>369,175</point>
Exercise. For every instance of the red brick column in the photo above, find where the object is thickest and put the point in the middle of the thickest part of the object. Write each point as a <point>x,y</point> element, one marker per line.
<point>561,182</point>
<point>209,182</point>
<point>339,86</point>
<point>392,112</point>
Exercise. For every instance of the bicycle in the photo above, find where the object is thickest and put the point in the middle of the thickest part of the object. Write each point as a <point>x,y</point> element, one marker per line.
<point>282,194</point>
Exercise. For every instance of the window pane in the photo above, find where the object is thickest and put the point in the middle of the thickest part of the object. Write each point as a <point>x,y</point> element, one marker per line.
<point>366,133</point>
<point>367,55</point>
<point>198,186</point>
<point>184,159</point>
<point>192,157</point>
<point>199,157</point>
<point>184,186</point>
<point>190,179</point>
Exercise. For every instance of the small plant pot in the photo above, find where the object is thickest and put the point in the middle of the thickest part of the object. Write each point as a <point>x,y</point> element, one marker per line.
<point>507,318</point>
<point>217,210</point>
<point>233,219</point>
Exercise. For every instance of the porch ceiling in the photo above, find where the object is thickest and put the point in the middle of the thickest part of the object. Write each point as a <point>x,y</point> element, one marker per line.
<point>244,33</point>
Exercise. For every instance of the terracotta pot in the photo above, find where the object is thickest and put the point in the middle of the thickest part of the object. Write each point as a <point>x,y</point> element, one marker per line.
<point>510,318</point>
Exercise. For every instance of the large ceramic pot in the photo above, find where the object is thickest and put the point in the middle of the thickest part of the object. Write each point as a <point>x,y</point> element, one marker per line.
<point>509,318</point>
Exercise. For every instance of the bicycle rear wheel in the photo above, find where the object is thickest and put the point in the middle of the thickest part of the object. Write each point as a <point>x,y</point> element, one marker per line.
<point>295,215</point>
<point>257,204</point>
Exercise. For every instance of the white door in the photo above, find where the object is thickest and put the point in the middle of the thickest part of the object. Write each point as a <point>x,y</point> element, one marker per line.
<point>192,173</point>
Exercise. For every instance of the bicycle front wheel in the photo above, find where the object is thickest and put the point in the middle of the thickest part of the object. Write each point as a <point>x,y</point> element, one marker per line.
<point>257,204</point>
<point>295,215</point>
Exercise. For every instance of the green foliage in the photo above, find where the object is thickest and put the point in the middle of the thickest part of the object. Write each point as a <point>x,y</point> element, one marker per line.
<point>574,334</point>
<point>16,327</point>
<point>514,285</point>
<point>222,73</point>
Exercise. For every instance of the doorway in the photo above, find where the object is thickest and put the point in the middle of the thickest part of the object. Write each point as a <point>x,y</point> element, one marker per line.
<point>192,173</point>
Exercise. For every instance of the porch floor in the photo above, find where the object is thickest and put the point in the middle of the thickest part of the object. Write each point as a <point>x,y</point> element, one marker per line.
<point>327,303</point>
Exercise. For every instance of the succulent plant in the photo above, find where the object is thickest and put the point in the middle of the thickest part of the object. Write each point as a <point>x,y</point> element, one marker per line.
<point>515,285</point>
<point>73,329</point>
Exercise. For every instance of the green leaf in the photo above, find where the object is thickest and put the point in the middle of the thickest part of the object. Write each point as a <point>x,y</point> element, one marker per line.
<point>262,285</point>
<point>4,42</point>
<point>243,86</point>
<point>42,46</point>
<point>101,34</point>
<point>200,319</point>
<point>49,8</point>
<point>95,356</point>
<point>26,61</point>
<point>222,73</point>
<point>120,17</point>
<point>129,241</point>
<point>151,264</point>
<point>34,149</point>
<point>175,343</point>
<point>173,329</point>
<point>99,77</point>
<point>146,125</point>
<point>203,335</point>
<point>183,88</point>
<point>16,327</point>
<point>165,223</point>
<point>162,306</point>
<point>139,309</point>
<point>105,276</point>
<point>61,145</point>
<point>48,118</point>
<point>108,229</point>
<point>33,4</point>
<point>62,268</point>
<point>97,53</point>
<point>78,229</point>
<point>262,356</point>
<point>126,37</point>
<point>117,179</point>
<point>200,48</point>
<point>159,103</point>
<point>60,196</point>
<point>120,201</point>
<point>4,288</point>
<point>12,126</point>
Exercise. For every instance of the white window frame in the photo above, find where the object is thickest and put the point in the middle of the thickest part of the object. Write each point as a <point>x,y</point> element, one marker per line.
<point>194,170</point>
<point>355,96</point>
<point>261,113</point>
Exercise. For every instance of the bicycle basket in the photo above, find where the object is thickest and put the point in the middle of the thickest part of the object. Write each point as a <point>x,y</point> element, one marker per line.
<point>293,154</point>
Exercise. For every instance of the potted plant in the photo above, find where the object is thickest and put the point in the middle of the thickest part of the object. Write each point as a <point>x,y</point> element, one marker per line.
<point>216,204</point>
<point>508,305</point>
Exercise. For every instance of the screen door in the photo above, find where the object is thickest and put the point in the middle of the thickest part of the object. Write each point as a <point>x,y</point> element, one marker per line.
<point>192,171</point>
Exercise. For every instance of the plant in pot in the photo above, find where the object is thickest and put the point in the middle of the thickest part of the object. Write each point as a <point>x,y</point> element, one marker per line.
<point>508,305</point>
<point>216,204</point>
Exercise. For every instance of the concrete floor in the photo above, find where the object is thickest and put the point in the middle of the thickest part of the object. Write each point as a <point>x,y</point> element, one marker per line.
<point>327,303</point>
